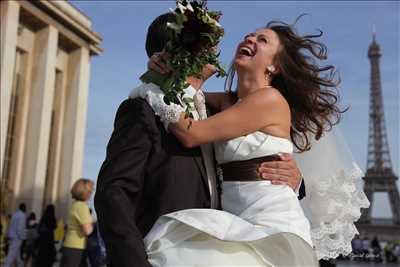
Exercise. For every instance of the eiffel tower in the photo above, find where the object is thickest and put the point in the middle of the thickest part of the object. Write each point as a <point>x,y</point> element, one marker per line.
<point>379,176</point>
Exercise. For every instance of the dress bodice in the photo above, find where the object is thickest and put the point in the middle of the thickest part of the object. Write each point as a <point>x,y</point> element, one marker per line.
<point>254,145</point>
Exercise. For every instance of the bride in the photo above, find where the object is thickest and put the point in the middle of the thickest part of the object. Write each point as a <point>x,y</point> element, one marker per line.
<point>282,102</point>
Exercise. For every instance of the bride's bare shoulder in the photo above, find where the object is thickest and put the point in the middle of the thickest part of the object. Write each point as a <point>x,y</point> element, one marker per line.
<point>269,97</point>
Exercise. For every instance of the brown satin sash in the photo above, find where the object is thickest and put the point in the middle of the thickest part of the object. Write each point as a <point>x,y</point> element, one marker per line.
<point>245,170</point>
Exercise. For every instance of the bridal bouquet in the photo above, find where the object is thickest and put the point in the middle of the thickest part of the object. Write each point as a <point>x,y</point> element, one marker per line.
<point>192,45</point>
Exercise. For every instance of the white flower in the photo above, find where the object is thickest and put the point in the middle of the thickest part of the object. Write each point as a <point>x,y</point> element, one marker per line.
<point>189,7</point>
<point>182,8</point>
<point>213,21</point>
<point>217,23</point>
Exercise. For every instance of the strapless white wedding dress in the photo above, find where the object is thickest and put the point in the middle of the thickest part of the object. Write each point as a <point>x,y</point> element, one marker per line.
<point>260,225</point>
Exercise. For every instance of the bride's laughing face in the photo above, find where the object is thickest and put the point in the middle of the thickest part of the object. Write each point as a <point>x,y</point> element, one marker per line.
<point>257,51</point>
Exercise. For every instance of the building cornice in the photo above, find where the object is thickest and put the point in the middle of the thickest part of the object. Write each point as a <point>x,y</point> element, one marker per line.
<point>72,19</point>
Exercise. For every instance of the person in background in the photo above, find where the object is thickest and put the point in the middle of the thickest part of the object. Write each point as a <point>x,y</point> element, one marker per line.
<point>59,234</point>
<point>29,246</point>
<point>96,255</point>
<point>357,245</point>
<point>365,248</point>
<point>3,235</point>
<point>16,234</point>
<point>46,249</point>
<point>5,221</point>
<point>376,249</point>
<point>396,252</point>
<point>392,252</point>
<point>79,225</point>
<point>6,245</point>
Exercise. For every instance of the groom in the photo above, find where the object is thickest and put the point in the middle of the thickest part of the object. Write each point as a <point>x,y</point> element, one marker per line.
<point>148,173</point>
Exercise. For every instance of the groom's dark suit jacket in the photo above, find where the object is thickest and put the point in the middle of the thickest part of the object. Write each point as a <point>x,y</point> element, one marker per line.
<point>146,173</point>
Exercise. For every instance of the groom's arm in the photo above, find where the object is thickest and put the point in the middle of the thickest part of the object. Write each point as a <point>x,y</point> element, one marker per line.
<point>120,184</point>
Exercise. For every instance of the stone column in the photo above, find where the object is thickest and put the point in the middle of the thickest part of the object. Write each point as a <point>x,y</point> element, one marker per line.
<point>74,124</point>
<point>9,26</point>
<point>57,131</point>
<point>40,108</point>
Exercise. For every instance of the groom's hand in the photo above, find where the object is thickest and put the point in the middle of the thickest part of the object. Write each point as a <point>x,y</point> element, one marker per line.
<point>283,171</point>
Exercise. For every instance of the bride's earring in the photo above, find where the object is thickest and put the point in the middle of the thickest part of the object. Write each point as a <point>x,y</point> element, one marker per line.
<point>271,69</point>
<point>268,76</point>
<point>269,73</point>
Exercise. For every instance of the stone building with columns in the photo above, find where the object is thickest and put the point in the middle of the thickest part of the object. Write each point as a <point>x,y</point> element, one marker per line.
<point>46,48</point>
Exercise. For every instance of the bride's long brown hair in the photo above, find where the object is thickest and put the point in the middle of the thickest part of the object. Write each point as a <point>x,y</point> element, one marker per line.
<point>310,89</point>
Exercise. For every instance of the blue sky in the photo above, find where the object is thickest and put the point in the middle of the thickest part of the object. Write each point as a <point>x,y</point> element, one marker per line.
<point>347,30</point>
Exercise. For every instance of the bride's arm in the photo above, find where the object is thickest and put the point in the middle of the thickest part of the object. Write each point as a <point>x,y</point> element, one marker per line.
<point>257,111</point>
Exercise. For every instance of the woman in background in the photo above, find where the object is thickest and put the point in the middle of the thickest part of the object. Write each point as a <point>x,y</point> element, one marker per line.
<point>79,225</point>
<point>46,249</point>
<point>29,246</point>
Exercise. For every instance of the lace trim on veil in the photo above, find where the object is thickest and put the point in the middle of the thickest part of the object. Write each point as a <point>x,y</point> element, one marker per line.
<point>334,194</point>
<point>333,237</point>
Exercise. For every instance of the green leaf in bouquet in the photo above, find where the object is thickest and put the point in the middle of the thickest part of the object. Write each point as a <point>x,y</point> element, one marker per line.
<point>167,85</point>
<point>188,100</point>
<point>180,18</point>
<point>209,36</point>
<point>204,19</point>
<point>154,77</point>
<point>166,100</point>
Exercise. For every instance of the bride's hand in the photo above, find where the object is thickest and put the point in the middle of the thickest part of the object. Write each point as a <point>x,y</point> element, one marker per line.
<point>157,63</point>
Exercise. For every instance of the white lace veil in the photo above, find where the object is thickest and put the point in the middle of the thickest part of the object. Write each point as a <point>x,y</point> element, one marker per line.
<point>334,194</point>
